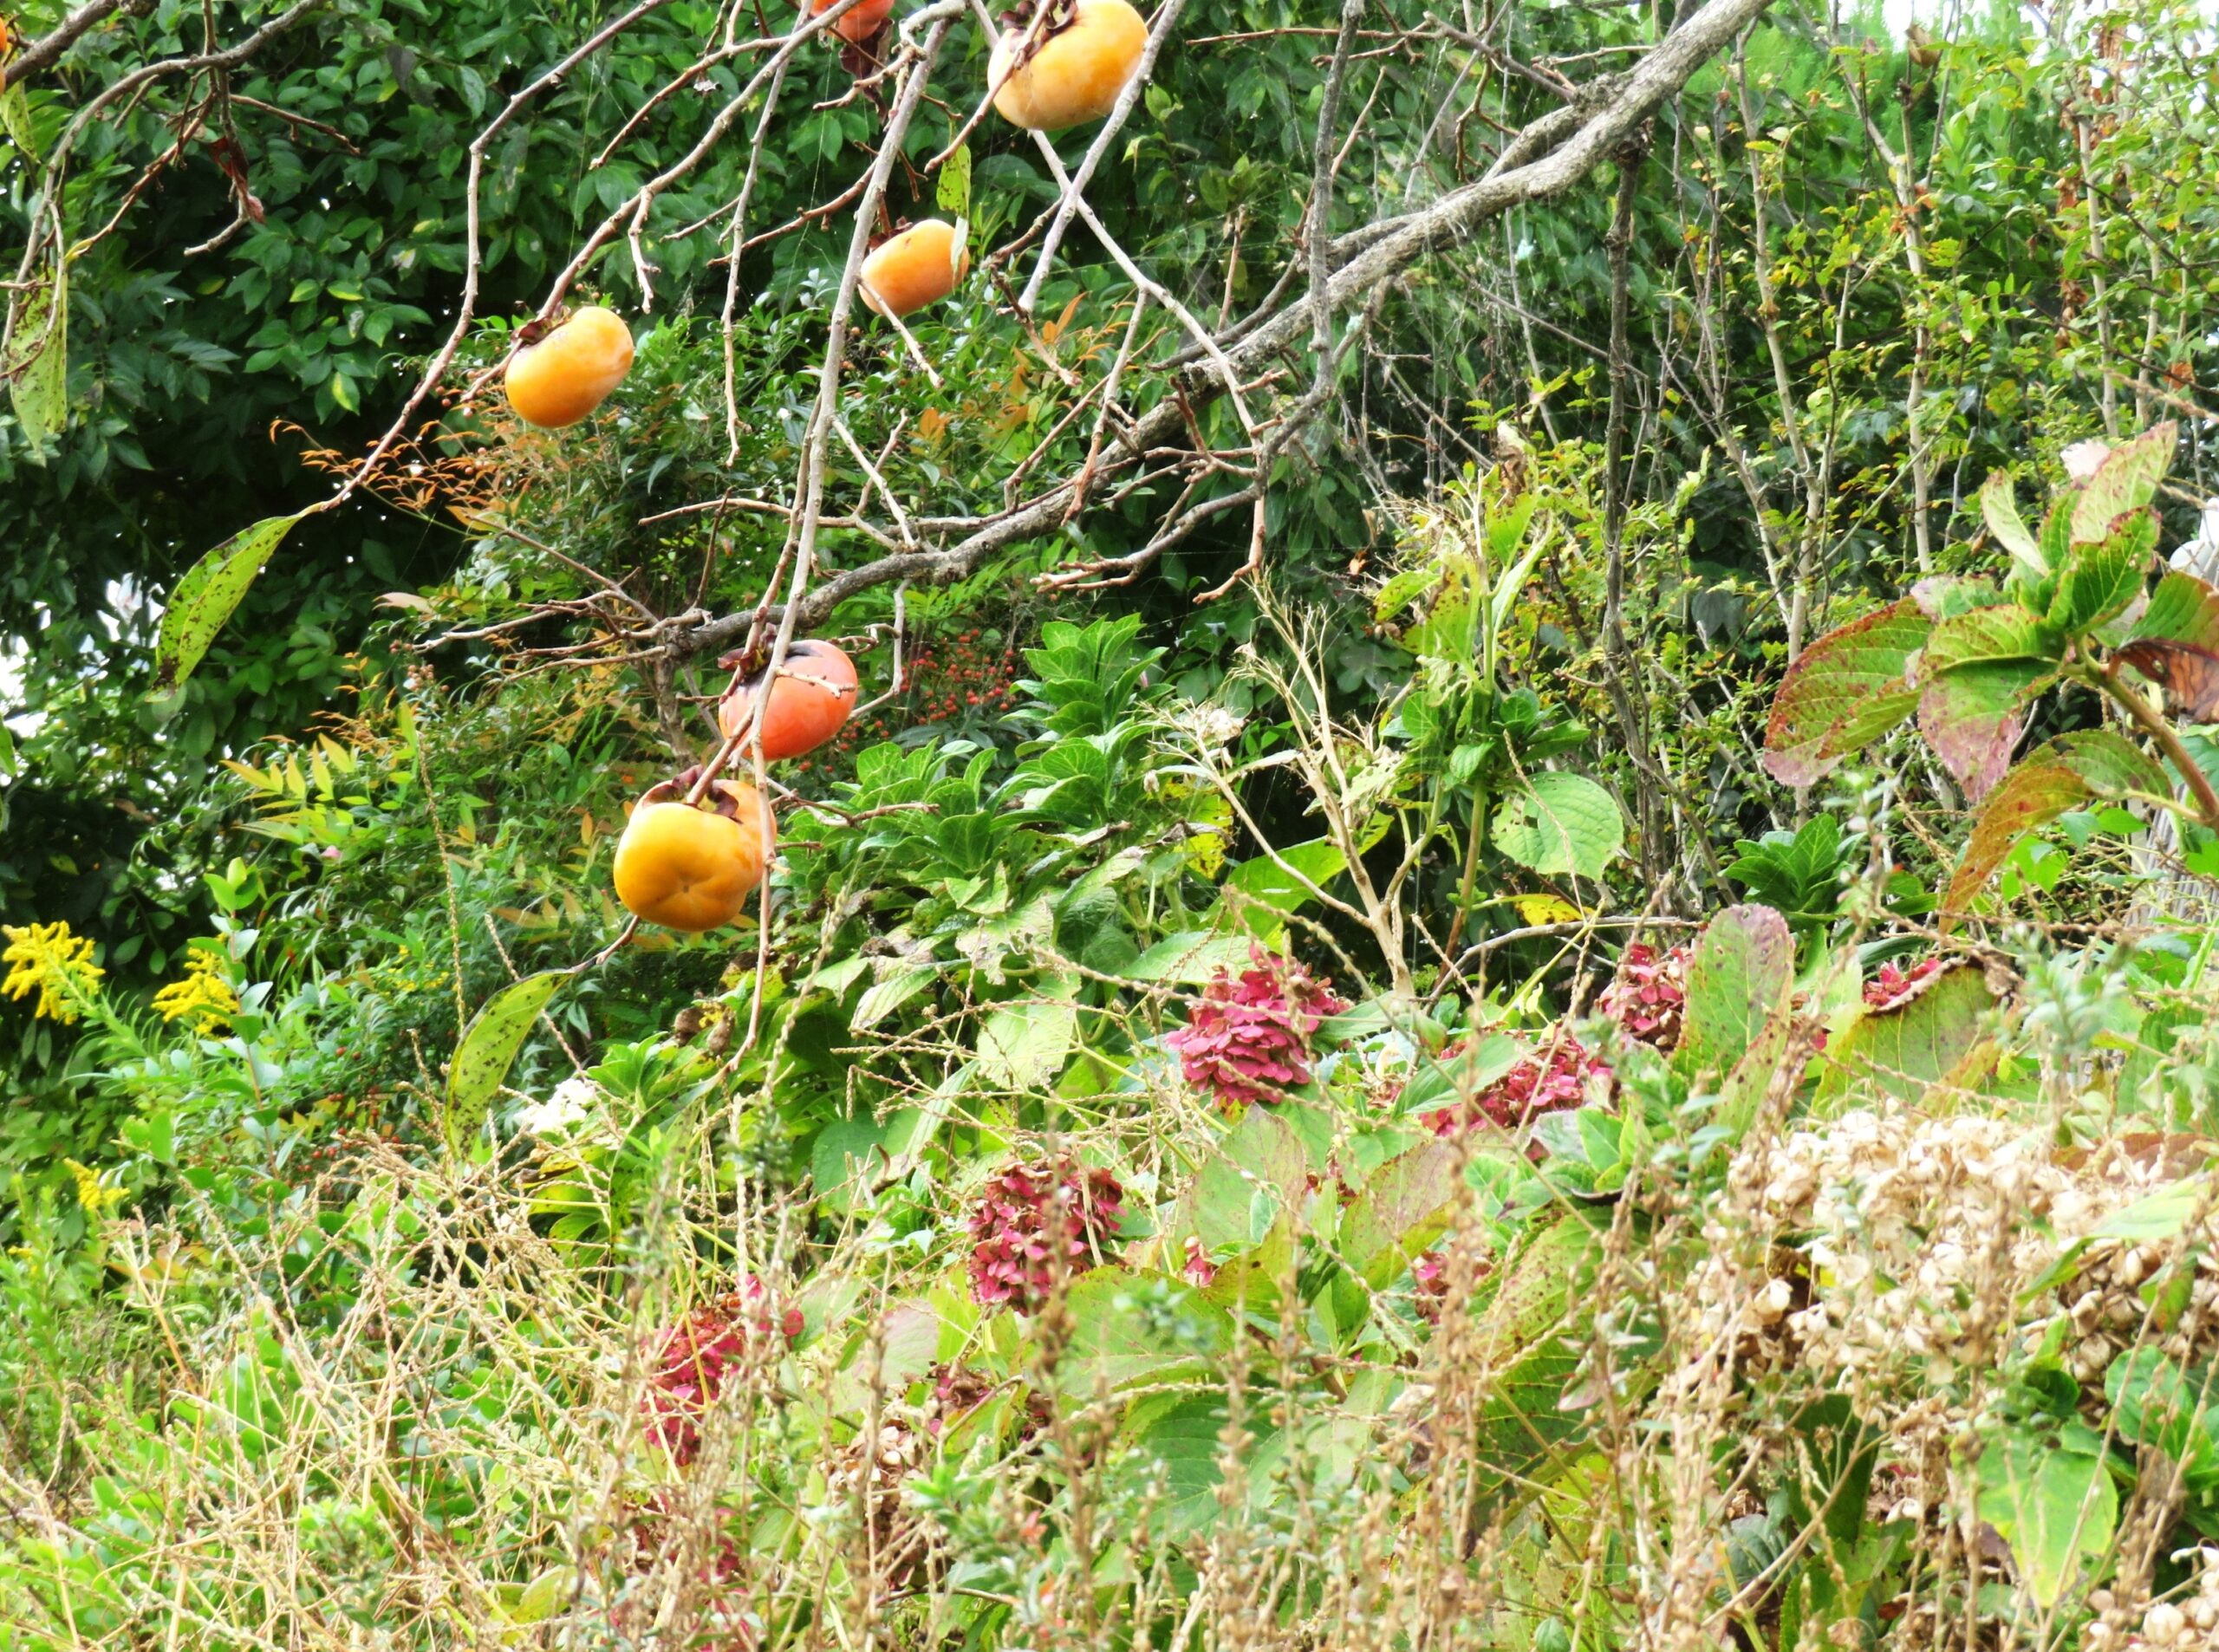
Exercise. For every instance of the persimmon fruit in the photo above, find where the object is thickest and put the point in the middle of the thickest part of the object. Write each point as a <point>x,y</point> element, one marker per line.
<point>859,24</point>
<point>914,269</point>
<point>807,705</point>
<point>691,866</point>
<point>567,374</point>
<point>1073,72</point>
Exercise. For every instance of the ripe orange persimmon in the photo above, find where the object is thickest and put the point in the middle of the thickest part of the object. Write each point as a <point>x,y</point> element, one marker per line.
<point>815,692</point>
<point>692,867</point>
<point>1079,63</point>
<point>859,23</point>
<point>567,374</point>
<point>914,269</point>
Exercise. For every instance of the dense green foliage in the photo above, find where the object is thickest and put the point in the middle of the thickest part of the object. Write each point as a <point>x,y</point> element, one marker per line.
<point>1605,1049</point>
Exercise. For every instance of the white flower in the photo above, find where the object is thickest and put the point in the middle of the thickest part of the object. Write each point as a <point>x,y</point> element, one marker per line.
<point>571,1104</point>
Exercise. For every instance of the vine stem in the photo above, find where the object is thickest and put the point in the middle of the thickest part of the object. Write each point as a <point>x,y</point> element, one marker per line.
<point>2147,718</point>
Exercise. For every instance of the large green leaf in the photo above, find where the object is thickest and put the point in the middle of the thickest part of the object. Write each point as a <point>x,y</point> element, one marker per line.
<point>2099,581</point>
<point>1023,1045</point>
<point>1738,977</point>
<point>2005,631</point>
<point>37,364</point>
<point>1260,1170</point>
<point>1128,1328</point>
<point>1526,1347</point>
<point>206,596</point>
<point>1934,1035</point>
<point>2066,772</point>
<point>1844,690</point>
<point>1280,884</point>
<point>2053,1501</point>
<point>1561,825</point>
<point>489,1049</point>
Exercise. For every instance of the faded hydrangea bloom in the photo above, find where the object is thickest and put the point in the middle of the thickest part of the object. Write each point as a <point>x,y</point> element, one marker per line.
<point>1556,1077</point>
<point>696,1356</point>
<point>1649,995</point>
<point>1249,1039</point>
<point>1029,1215</point>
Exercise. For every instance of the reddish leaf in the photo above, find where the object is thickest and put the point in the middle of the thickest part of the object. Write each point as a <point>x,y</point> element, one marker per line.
<point>2126,480</point>
<point>1845,690</point>
<point>2188,674</point>
<point>1974,715</point>
<point>2062,775</point>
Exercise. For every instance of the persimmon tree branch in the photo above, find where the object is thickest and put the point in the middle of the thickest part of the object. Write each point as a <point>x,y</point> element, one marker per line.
<point>44,52</point>
<point>1544,160</point>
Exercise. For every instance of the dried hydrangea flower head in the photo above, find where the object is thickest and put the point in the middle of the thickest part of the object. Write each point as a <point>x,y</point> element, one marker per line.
<point>696,1356</point>
<point>1249,1038</point>
<point>1554,1078</point>
<point>1649,994</point>
<point>1891,988</point>
<point>1036,1221</point>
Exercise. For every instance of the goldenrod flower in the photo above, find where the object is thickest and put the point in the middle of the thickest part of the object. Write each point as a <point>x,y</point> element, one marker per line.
<point>58,963</point>
<point>95,1199</point>
<point>204,993</point>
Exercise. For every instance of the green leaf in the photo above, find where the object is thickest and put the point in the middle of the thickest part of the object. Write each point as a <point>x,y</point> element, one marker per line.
<point>1738,976</point>
<point>207,596</point>
<point>2000,508</point>
<point>1402,1209</point>
<point>1561,824</point>
<point>953,194</point>
<point>2053,1501</point>
<point>2159,1404</point>
<point>882,998</point>
<point>1261,1166</point>
<point>1845,691</point>
<point>2099,581</point>
<point>2062,775</point>
<point>1974,715</point>
<point>1129,1327</point>
<point>488,1050</point>
<point>1278,885</point>
<point>37,363</point>
<point>1189,957</point>
<point>1981,635</point>
<point>2126,480</point>
<point>1173,1445</point>
<point>1528,1337</point>
<point>1934,1037</point>
<point>1023,1045</point>
<point>16,119</point>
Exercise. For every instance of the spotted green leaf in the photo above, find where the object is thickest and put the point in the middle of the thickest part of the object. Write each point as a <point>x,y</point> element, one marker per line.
<point>489,1049</point>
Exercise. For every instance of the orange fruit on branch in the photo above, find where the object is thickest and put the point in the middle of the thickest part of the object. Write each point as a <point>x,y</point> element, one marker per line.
<point>807,704</point>
<point>914,269</point>
<point>859,23</point>
<point>692,867</point>
<point>565,375</point>
<point>1080,58</point>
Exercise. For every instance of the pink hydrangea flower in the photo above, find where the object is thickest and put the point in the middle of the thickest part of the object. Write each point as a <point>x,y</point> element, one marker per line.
<point>1649,995</point>
<point>696,1356</point>
<point>1027,1217</point>
<point>1249,1039</point>
<point>1553,1079</point>
<point>1891,987</point>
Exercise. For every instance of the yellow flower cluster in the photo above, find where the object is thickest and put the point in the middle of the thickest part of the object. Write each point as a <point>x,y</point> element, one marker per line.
<point>95,1199</point>
<point>204,993</point>
<point>58,965</point>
